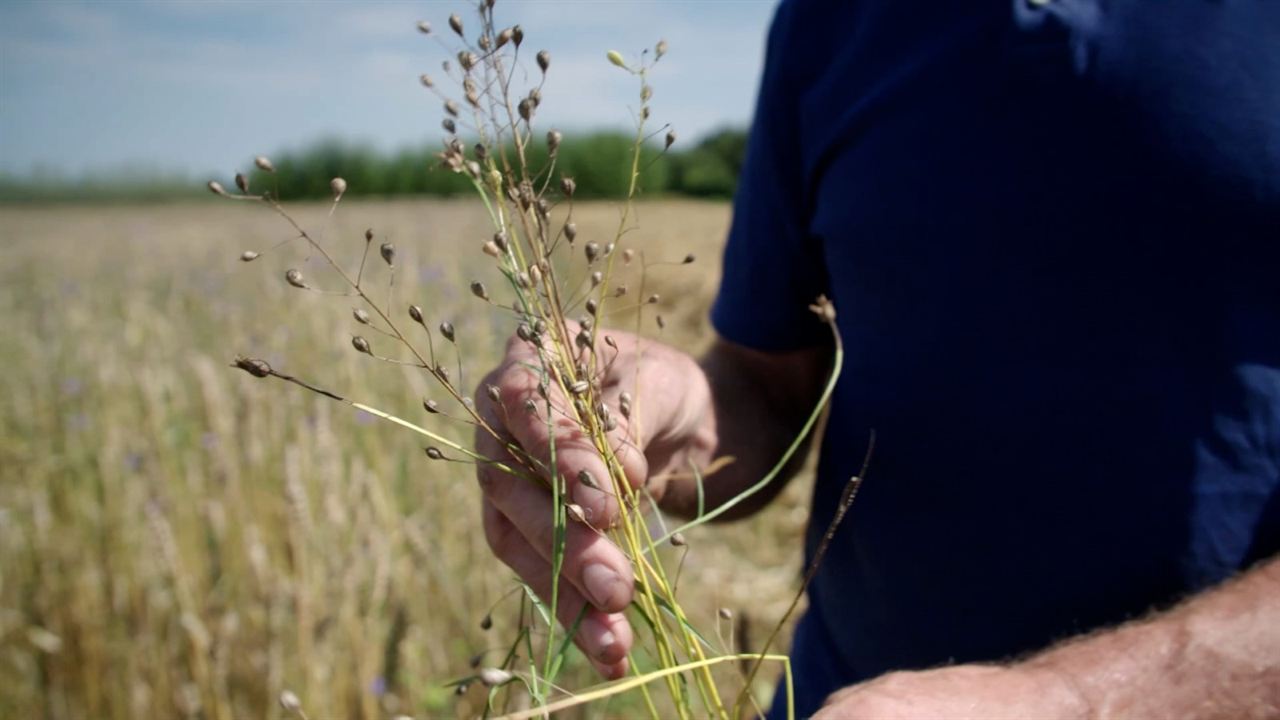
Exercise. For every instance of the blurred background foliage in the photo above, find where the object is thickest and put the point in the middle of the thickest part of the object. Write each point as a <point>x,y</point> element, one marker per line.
<point>597,161</point>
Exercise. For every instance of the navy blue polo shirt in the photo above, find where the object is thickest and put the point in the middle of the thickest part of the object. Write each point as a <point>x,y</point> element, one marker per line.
<point>1052,235</point>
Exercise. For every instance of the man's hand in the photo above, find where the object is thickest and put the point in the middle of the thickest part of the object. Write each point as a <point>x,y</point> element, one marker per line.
<point>737,403</point>
<point>672,424</point>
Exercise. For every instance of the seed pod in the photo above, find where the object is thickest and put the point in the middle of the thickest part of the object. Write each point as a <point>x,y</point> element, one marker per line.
<point>586,323</point>
<point>294,278</point>
<point>525,108</point>
<point>522,279</point>
<point>368,235</point>
<point>671,138</point>
<point>500,241</point>
<point>517,35</point>
<point>361,345</point>
<point>264,164</point>
<point>688,259</point>
<point>608,249</point>
<point>646,92</point>
<point>455,22</point>
<point>523,332</point>
<point>443,373</point>
<point>426,80</point>
<point>430,406</point>
<point>494,393</point>
<point>540,326</point>
<point>338,186</point>
<point>530,406</point>
<point>620,290</point>
<point>553,141</point>
<point>467,60</point>
<point>535,275</point>
<point>575,513</point>
<point>360,315</point>
<point>592,306</point>
<point>592,251</point>
<point>726,614</point>
<point>486,622</point>
<point>485,43</point>
<point>627,256</point>
<point>677,540</point>
<point>535,95</point>
<point>608,340</point>
<point>434,453</point>
<point>493,677</point>
<point>253,366</point>
<point>660,50</point>
<point>388,252</point>
<point>289,701</point>
<point>662,324</point>
<point>242,182</point>
<point>491,249</point>
<point>583,339</point>
<point>504,37</point>
<point>461,688</point>
<point>579,387</point>
<point>446,329</point>
<point>586,478</point>
<point>424,27</point>
<point>248,256</point>
<point>478,289</point>
<point>653,299</point>
<point>568,186</point>
<point>449,126</point>
<point>616,58</point>
<point>597,277</point>
<point>216,188</point>
<point>415,314</point>
<point>473,169</point>
<point>544,60</point>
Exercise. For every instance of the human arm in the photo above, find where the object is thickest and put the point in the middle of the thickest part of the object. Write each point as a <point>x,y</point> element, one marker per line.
<point>735,402</point>
<point>1216,655</point>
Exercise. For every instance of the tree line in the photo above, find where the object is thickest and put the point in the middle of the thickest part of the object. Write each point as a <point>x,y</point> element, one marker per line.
<point>598,162</point>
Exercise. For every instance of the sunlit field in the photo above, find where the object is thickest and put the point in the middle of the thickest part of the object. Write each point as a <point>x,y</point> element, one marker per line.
<point>180,539</point>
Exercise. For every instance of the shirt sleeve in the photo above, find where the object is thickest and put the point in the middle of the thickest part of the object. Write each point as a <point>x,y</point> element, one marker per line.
<point>773,267</point>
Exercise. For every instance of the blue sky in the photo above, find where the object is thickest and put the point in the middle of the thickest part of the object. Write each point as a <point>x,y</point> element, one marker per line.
<point>200,87</point>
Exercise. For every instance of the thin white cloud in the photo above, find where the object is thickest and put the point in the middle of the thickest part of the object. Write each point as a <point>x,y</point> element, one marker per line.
<point>199,86</point>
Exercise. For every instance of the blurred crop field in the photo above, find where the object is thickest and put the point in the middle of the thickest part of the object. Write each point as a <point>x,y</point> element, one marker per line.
<point>181,540</point>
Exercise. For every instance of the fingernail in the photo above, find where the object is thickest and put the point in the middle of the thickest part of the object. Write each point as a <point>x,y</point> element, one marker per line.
<point>602,641</point>
<point>604,585</point>
<point>596,501</point>
<point>606,641</point>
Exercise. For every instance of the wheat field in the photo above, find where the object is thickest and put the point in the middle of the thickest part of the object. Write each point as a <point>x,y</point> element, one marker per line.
<point>179,539</point>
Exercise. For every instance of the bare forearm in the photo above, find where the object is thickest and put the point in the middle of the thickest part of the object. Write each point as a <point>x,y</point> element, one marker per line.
<point>1215,656</point>
<point>760,402</point>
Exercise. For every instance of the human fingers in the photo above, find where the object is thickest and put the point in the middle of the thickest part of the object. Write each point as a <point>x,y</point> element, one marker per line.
<point>605,638</point>
<point>593,564</point>
<point>535,418</point>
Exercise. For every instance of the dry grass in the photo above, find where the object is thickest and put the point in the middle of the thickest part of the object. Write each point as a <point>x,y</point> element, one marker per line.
<point>178,539</point>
